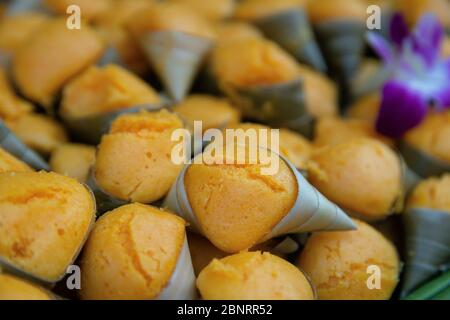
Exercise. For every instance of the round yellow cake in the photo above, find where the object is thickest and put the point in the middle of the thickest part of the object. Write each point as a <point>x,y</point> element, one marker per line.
<point>331,131</point>
<point>251,10</point>
<point>15,29</point>
<point>134,159</point>
<point>13,288</point>
<point>212,10</point>
<point>211,111</point>
<point>252,62</point>
<point>236,205</point>
<point>10,163</point>
<point>52,56</point>
<point>326,10</point>
<point>340,264</point>
<point>432,136</point>
<point>104,89</point>
<point>131,253</point>
<point>44,219</point>
<point>361,175</point>
<point>166,16</point>
<point>73,160</point>
<point>230,31</point>
<point>38,131</point>
<point>432,193</point>
<point>253,276</point>
<point>89,9</point>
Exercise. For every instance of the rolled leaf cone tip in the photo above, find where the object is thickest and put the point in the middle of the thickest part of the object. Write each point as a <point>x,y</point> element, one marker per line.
<point>427,246</point>
<point>176,57</point>
<point>13,145</point>
<point>292,31</point>
<point>311,211</point>
<point>342,42</point>
<point>279,105</point>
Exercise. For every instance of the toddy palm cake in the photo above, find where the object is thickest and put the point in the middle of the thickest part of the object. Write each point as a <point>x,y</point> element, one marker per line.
<point>337,264</point>
<point>362,175</point>
<point>73,160</point>
<point>132,253</point>
<point>134,159</point>
<point>53,56</point>
<point>253,276</point>
<point>44,219</point>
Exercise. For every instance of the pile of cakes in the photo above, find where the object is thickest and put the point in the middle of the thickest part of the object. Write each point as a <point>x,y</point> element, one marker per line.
<point>316,209</point>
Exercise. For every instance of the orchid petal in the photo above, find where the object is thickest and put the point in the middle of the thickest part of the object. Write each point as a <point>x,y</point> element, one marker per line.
<point>401,109</point>
<point>427,38</point>
<point>398,30</point>
<point>381,46</point>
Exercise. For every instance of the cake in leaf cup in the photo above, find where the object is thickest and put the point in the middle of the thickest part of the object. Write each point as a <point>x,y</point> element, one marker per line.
<point>352,265</point>
<point>93,99</point>
<point>285,22</point>
<point>134,160</point>
<point>426,222</point>
<point>363,176</point>
<point>253,276</point>
<point>137,252</point>
<point>238,204</point>
<point>44,221</point>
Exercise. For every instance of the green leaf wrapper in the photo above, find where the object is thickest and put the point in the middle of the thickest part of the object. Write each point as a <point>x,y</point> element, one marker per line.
<point>427,246</point>
<point>292,31</point>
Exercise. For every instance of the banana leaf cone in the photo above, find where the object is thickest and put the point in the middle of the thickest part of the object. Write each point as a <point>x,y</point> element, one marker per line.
<point>310,212</point>
<point>278,105</point>
<point>90,129</point>
<point>21,6</point>
<point>427,246</point>
<point>292,31</point>
<point>207,82</point>
<point>342,43</point>
<point>176,57</point>
<point>110,56</point>
<point>13,145</point>
<point>421,163</point>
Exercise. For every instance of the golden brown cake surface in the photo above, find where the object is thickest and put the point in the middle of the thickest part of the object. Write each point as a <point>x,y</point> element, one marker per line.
<point>331,131</point>
<point>236,204</point>
<point>131,253</point>
<point>38,131</point>
<point>13,288</point>
<point>253,276</point>
<point>73,160</point>
<point>211,111</point>
<point>170,17</point>
<point>361,175</point>
<point>134,159</point>
<point>253,62</point>
<point>432,136</point>
<point>327,10</point>
<point>10,163</point>
<point>432,193</point>
<point>44,218</point>
<point>51,57</point>
<point>256,9</point>
<point>338,263</point>
<point>109,88</point>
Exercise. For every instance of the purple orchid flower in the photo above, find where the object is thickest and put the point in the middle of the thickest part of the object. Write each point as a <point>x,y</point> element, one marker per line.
<point>419,78</point>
